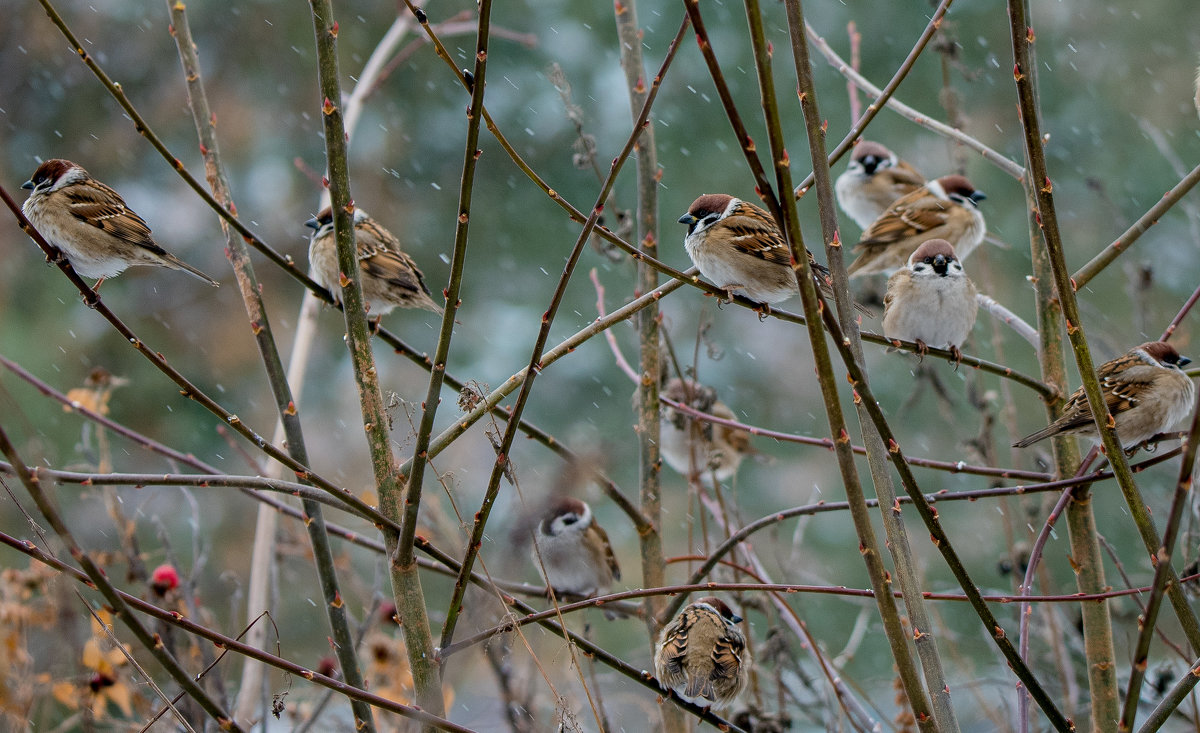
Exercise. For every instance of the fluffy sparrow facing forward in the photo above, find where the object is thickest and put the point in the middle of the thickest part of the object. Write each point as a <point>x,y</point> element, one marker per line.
<point>873,181</point>
<point>99,235</point>
<point>931,301</point>
<point>737,245</point>
<point>695,447</point>
<point>388,276</point>
<point>947,208</point>
<point>702,654</point>
<point>575,555</point>
<point>1145,390</point>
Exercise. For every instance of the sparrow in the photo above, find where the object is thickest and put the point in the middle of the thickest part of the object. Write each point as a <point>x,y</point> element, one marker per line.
<point>1145,390</point>
<point>946,208</point>
<point>930,301</point>
<point>572,552</point>
<point>389,277</point>
<point>738,246</point>
<point>702,654</point>
<point>90,223</point>
<point>695,447</point>
<point>873,181</point>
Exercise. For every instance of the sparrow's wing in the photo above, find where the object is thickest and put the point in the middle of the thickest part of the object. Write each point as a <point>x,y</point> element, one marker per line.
<point>757,236</point>
<point>738,440</point>
<point>672,653</point>
<point>917,214</point>
<point>727,655</point>
<point>1123,387</point>
<point>902,176</point>
<point>395,267</point>
<point>609,558</point>
<point>99,206</point>
<point>897,282</point>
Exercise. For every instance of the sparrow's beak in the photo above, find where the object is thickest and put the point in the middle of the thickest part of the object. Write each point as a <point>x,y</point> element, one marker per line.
<point>28,184</point>
<point>313,223</point>
<point>978,196</point>
<point>735,618</point>
<point>1184,361</point>
<point>940,265</point>
<point>688,219</point>
<point>869,164</point>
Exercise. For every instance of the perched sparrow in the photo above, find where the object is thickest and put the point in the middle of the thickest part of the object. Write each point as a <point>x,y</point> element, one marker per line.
<point>389,277</point>
<point>694,447</point>
<point>702,654</point>
<point>575,555</point>
<point>1145,390</point>
<point>946,208</point>
<point>931,301</point>
<point>91,224</point>
<point>737,245</point>
<point>873,181</point>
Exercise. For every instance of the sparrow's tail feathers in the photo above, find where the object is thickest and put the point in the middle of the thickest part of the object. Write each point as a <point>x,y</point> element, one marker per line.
<point>178,264</point>
<point>699,687</point>
<point>1042,434</point>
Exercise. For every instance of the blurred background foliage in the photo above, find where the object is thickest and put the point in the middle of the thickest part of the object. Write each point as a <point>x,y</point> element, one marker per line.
<point>1116,83</point>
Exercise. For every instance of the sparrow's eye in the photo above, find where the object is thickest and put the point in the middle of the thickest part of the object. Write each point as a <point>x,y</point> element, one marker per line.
<point>569,519</point>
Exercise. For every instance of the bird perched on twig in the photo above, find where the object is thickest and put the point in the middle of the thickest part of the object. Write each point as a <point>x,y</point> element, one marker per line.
<point>946,208</point>
<point>931,300</point>
<point>1144,389</point>
<point>873,181</point>
<point>575,555</point>
<point>89,221</point>
<point>737,246</point>
<point>388,276</point>
<point>702,654</point>
<point>694,447</point>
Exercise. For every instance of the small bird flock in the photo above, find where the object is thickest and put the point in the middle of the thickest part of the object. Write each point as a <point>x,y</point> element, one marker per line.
<point>917,231</point>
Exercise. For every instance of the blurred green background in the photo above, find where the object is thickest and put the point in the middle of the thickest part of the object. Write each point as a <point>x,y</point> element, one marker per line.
<point>1116,83</point>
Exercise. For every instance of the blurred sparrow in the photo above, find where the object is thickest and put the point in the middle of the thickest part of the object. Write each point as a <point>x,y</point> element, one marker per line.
<point>575,555</point>
<point>947,208</point>
<point>931,301</point>
<point>694,447</point>
<point>873,181</point>
<point>737,245</point>
<point>99,235</point>
<point>702,654</point>
<point>388,276</point>
<point>1145,390</point>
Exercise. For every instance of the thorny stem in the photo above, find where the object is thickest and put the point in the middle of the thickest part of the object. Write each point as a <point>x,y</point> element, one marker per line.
<point>1081,518</point>
<point>1095,265</point>
<point>992,156</point>
<point>649,461</point>
<point>1021,39</point>
<point>813,311</point>
<point>248,286</point>
<point>503,450</point>
<point>881,97</point>
<point>406,583</point>
<point>944,717</point>
<point>99,580</point>
<point>1162,564</point>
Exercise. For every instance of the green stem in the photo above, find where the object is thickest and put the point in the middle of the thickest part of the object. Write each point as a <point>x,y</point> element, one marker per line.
<point>239,258</point>
<point>813,307</point>
<point>406,583</point>
<point>944,717</point>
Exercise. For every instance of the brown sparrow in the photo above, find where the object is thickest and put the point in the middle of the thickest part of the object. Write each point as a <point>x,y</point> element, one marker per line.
<point>738,246</point>
<point>873,181</point>
<point>695,447</point>
<point>574,552</point>
<point>931,301</point>
<point>1145,390</point>
<point>946,208</point>
<point>389,277</point>
<point>702,654</point>
<point>99,235</point>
